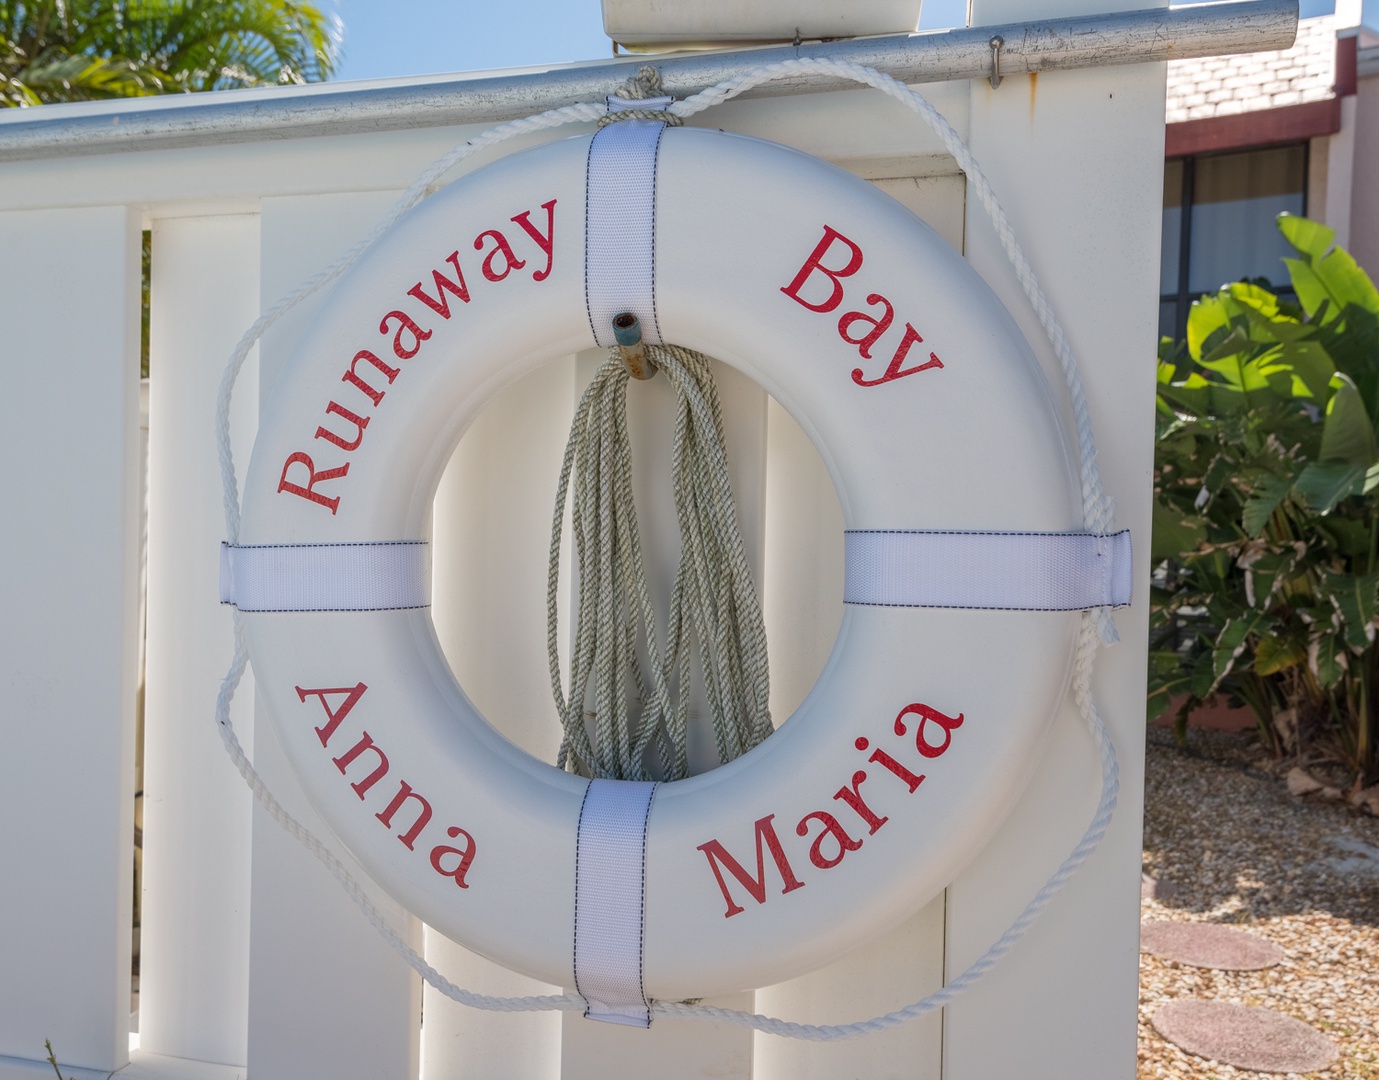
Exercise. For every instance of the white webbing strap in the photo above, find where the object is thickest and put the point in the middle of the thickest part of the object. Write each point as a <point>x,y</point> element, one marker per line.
<point>620,222</point>
<point>1016,571</point>
<point>610,891</point>
<point>381,576</point>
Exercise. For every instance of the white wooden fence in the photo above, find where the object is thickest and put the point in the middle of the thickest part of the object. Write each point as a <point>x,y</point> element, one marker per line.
<point>253,961</point>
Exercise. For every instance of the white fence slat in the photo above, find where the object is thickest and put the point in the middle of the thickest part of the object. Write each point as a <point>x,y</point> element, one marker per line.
<point>491,531</point>
<point>803,605</point>
<point>194,954</point>
<point>68,614</point>
<point>862,132</point>
<point>327,996</point>
<point>802,587</point>
<point>1077,161</point>
<point>939,199</point>
<point>669,1050</point>
<point>901,965</point>
<point>458,1043</point>
<point>490,537</point>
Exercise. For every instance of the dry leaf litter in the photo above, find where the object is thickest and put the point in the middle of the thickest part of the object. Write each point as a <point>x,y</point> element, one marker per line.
<point>1227,843</point>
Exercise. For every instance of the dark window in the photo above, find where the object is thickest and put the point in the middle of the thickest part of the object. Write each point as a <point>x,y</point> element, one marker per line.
<point>1218,224</point>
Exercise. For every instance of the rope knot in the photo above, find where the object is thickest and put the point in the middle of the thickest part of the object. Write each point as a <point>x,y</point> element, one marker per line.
<point>644,85</point>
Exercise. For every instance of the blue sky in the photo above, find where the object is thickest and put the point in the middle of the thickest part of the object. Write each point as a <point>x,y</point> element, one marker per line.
<point>422,37</point>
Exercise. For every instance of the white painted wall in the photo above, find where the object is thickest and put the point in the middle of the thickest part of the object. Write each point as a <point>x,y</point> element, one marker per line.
<point>1357,13</point>
<point>1364,192</point>
<point>1077,159</point>
<point>1341,177</point>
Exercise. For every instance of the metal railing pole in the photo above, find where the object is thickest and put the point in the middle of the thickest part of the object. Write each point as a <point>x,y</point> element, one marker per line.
<point>1128,37</point>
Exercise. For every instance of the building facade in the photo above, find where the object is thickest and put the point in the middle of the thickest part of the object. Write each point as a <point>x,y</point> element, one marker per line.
<point>1252,136</point>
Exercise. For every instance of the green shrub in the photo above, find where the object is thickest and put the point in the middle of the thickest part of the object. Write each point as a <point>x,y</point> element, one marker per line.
<point>1266,515</point>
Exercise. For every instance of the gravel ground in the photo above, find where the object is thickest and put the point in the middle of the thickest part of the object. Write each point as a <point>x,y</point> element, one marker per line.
<point>1234,847</point>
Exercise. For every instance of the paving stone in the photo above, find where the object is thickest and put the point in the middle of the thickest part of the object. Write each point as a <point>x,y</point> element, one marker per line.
<point>1154,889</point>
<point>1245,1036</point>
<point>1209,945</point>
<point>1244,853</point>
<point>1361,860</point>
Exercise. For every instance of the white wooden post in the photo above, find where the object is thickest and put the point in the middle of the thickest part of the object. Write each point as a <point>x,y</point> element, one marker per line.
<point>194,955</point>
<point>327,996</point>
<point>1077,159</point>
<point>69,488</point>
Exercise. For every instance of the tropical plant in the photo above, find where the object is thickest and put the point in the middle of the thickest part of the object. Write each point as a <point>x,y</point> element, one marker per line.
<point>1266,517</point>
<point>79,50</point>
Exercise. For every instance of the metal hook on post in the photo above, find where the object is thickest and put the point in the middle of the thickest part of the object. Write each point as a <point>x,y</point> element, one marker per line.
<point>627,332</point>
<point>996,76</point>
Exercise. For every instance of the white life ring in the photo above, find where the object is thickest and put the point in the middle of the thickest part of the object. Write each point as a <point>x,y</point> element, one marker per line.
<point>927,407</point>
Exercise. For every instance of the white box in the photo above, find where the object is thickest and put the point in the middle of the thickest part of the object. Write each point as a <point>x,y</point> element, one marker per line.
<point>643,24</point>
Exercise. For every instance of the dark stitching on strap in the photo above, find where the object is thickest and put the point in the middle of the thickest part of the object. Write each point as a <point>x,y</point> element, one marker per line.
<point>655,201</point>
<point>981,607</point>
<point>641,944</point>
<point>307,610</point>
<point>333,543</point>
<point>977,532</point>
<point>588,163</point>
<point>574,957</point>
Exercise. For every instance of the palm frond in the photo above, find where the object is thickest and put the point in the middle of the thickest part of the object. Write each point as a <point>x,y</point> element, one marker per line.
<point>55,76</point>
<point>76,50</point>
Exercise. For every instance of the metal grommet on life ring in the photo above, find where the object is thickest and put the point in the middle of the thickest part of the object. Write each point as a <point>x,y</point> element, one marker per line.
<point>966,566</point>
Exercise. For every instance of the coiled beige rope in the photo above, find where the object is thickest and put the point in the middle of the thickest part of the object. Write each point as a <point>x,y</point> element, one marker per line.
<point>713,598</point>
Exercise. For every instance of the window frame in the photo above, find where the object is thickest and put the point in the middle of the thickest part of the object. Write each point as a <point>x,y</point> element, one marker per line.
<point>1182,298</point>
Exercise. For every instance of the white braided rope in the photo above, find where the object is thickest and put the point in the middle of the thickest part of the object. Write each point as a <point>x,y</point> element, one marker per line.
<point>1097,512</point>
